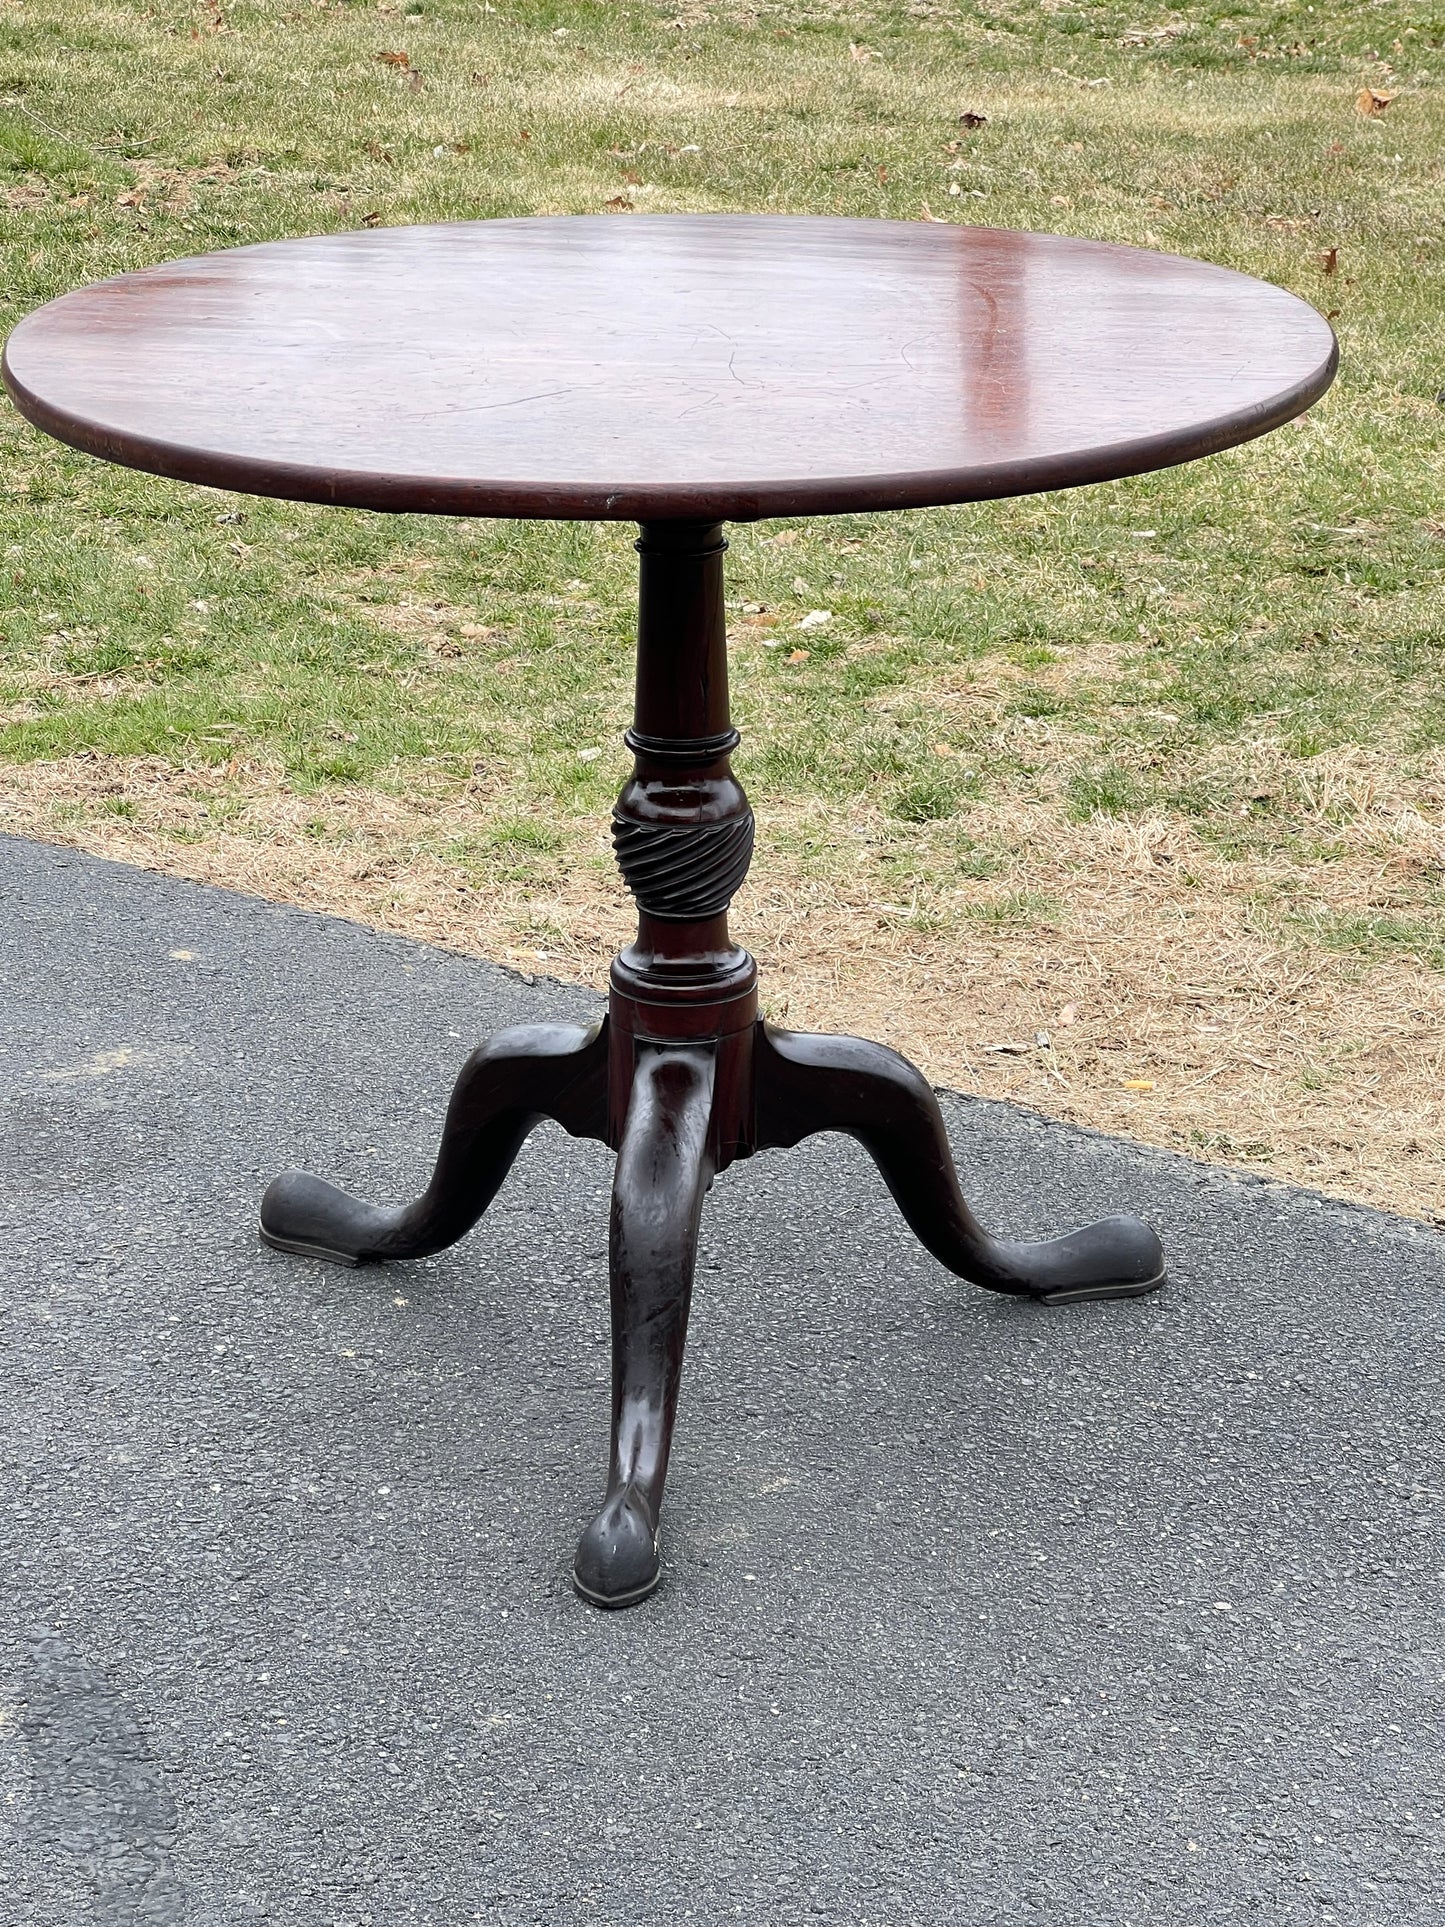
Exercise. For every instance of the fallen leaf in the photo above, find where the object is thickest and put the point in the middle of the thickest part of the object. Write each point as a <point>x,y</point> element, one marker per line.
<point>1069,1014</point>
<point>619,201</point>
<point>1329,260</point>
<point>1138,1084</point>
<point>970,120</point>
<point>815,619</point>
<point>857,52</point>
<point>785,538</point>
<point>1370,102</point>
<point>882,175</point>
<point>929,215</point>
<point>394,60</point>
<point>798,655</point>
<point>371,220</point>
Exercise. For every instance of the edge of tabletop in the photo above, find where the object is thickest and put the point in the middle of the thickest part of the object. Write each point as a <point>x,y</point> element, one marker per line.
<point>734,501</point>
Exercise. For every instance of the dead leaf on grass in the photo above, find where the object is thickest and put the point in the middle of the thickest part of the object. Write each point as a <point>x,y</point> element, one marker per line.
<point>395,60</point>
<point>1329,260</point>
<point>971,121</point>
<point>1369,101</point>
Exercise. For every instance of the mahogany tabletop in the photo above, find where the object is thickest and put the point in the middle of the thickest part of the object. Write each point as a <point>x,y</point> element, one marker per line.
<point>666,366</point>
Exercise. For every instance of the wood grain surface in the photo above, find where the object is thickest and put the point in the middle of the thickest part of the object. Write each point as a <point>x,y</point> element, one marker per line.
<point>664,366</point>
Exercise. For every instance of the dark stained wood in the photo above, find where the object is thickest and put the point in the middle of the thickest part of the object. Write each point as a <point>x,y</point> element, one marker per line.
<point>650,367</point>
<point>683,1078</point>
<point>804,1084</point>
<point>506,1088</point>
<point>677,371</point>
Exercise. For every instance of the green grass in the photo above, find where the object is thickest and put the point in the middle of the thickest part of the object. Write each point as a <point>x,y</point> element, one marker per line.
<point>1294,585</point>
<point>1251,648</point>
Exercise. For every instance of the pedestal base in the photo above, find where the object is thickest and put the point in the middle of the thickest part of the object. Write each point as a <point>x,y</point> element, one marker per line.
<point>676,1111</point>
<point>682,1078</point>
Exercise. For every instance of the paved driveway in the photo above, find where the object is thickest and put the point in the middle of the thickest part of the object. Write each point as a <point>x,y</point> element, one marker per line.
<point>976,1612</point>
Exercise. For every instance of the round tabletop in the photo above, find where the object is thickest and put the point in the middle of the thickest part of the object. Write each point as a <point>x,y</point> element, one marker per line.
<point>666,366</point>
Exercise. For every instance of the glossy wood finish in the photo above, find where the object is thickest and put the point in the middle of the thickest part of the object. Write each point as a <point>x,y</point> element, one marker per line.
<point>651,367</point>
<point>683,1078</point>
<point>677,370</point>
<point>805,1084</point>
<point>664,1167</point>
<point>506,1088</point>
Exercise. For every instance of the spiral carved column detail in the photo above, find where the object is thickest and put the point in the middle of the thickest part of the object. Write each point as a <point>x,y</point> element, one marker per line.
<point>683,872</point>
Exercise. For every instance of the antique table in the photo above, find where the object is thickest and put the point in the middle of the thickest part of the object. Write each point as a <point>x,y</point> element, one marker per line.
<point>676,371</point>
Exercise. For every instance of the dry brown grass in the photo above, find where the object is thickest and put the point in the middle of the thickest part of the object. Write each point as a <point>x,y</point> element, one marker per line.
<point>1117,996</point>
<point>1153,771</point>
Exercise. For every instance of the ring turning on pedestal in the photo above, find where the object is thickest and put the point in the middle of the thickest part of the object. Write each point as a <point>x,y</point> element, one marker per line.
<point>683,1078</point>
<point>674,370</point>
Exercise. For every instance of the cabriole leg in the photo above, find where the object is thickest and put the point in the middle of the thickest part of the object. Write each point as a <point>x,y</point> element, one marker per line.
<point>807,1084</point>
<point>507,1087</point>
<point>664,1167</point>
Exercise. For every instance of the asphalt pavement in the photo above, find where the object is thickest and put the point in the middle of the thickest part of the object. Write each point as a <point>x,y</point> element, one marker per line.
<point>975,1612</point>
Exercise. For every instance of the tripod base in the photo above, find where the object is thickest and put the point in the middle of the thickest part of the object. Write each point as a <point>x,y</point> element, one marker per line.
<point>676,1112</point>
<point>683,1078</point>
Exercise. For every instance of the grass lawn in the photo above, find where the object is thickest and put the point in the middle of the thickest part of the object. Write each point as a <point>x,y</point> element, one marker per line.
<point>1126,804</point>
